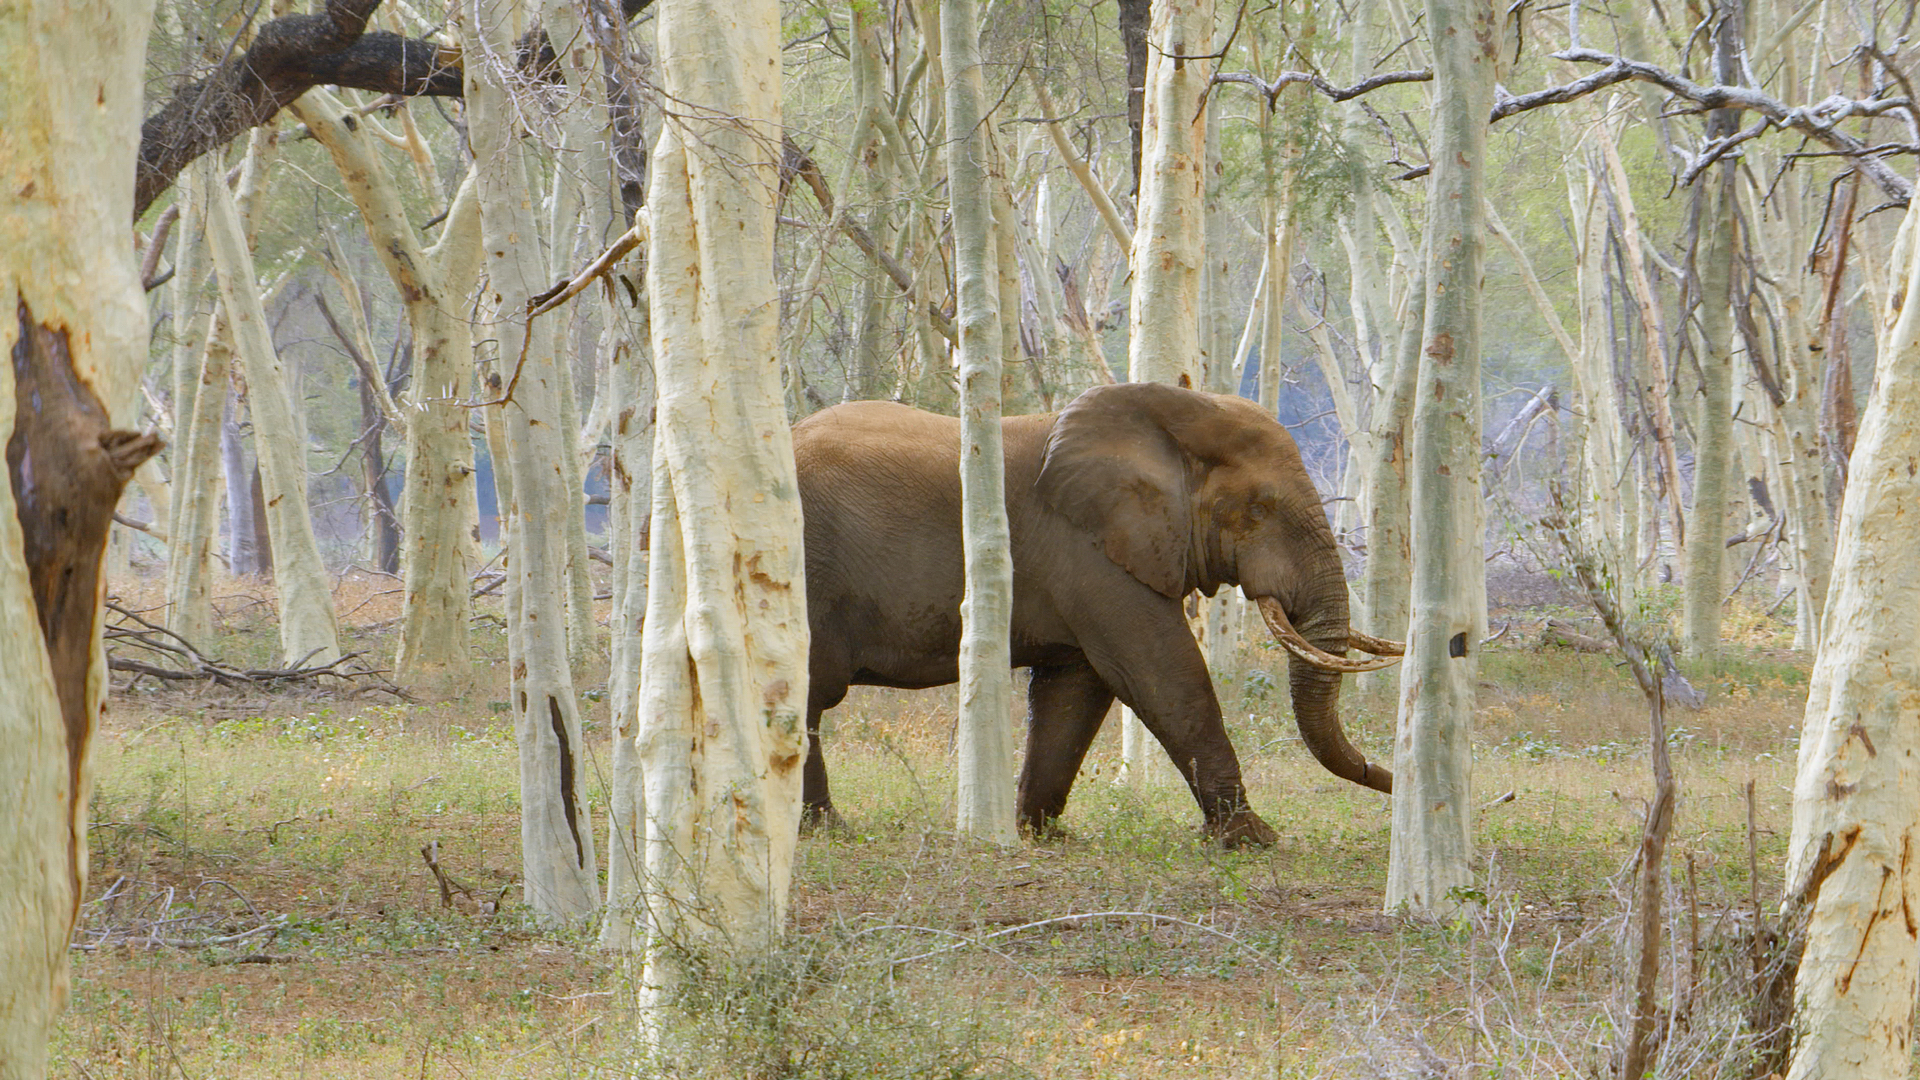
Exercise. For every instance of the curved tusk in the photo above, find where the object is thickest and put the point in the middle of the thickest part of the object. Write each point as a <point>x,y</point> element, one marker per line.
<point>1376,646</point>
<point>1287,636</point>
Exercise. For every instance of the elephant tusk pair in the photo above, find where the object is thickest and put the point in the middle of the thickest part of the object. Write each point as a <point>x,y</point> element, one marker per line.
<point>1377,646</point>
<point>1283,632</point>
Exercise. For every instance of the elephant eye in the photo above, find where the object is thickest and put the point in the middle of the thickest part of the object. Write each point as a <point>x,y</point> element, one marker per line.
<point>1257,511</point>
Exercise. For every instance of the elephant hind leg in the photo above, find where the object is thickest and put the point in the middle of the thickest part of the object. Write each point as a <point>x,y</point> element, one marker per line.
<point>1066,704</point>
<point>816,800</point>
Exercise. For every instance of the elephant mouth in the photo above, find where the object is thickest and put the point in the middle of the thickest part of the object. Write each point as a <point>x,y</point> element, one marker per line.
<point>1386,653</point>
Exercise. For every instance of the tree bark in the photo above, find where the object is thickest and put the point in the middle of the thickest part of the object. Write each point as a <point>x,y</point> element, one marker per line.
<point>985,808</point>
<point>1432,841</point>
<point>73,322</point>
<point>1856,802</point>
<point>307,631</point>
<point>199,395</point>
<point>437,498</point>
<point>556,839</point>
<point>724,686</point>
<point>1169,239</point>
<point>1712,271</point>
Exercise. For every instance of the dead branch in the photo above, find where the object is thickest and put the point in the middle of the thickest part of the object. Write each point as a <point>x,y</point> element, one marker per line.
<point>1818,121</point>
<point>544,302</point>
<point>1271,90</point>
<point>448,883</point>
<point>186,663</point>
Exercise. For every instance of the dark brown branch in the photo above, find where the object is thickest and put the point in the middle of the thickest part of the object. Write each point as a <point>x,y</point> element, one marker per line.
<point>289,56</point>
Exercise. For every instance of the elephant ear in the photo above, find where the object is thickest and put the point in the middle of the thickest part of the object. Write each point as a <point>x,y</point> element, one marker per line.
<point>1113,469</point>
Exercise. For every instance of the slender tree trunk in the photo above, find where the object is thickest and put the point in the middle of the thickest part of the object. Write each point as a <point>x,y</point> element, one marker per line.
<point>199,392</point>
<point>985,807</point>
<point>1602,461</point>
<point>629,386</point>
<point>307,632</point>
<point>556,839</point>
<point>1856,803</point>
<point>1712,269</point>
<point>1433,762</point>
<point>1169,241</point>
<point>73,320</point>
<point>243,552</point>
<point>724,682</point>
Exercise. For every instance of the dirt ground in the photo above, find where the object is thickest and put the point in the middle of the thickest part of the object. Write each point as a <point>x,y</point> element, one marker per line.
<point>260,904</point>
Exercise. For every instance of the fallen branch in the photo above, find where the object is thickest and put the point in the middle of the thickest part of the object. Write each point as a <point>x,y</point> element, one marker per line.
<point>185,663</point>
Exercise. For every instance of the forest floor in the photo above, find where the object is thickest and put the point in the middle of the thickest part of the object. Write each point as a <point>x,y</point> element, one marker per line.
<point>260,905</point>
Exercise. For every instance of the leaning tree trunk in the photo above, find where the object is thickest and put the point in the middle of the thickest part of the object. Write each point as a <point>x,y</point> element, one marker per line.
<point>73,321</point>
<point>724,682</point>
<point>985,809</point>
<point>1169,241</point>
<point>307,631</point>
<point>1432,839</point>
<point>1856,802</point>
<point>556,839</point>
<point>199,396</point>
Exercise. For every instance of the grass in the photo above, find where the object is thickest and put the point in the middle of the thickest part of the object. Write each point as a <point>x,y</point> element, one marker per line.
<point>294,829</point>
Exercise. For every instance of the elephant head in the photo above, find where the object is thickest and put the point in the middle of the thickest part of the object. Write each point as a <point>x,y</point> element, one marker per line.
<point>1189,491</point>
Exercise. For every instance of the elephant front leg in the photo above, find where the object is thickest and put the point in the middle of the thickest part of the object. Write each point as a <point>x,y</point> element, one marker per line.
<point>1159,672</point>
<point>1066,704</point>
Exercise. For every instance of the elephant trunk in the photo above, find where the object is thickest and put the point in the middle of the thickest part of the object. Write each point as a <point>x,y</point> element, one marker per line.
<point>1316,692</point>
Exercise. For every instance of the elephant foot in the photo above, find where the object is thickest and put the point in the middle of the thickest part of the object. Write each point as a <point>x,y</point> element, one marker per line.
<point>1244,828</point>
<point>1043,830</point>
<point>824,818</point>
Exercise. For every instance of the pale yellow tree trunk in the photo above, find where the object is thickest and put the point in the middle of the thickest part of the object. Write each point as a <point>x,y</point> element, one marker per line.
<point>1432,842</point>
<point>71,99</point>
<point>307,631</point>
<point>1169,239</point>
<point>437,501</point>
<point>1856,802</point>
<point>985,808</point>
<point>724,681</point>
<point>199,392</point>
<point>556,839</point>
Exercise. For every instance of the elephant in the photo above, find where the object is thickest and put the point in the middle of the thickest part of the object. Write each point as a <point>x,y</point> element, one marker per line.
<point>1119,506</point>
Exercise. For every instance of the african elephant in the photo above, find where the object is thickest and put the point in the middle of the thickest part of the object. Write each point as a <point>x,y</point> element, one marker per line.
<point>1119,506</point>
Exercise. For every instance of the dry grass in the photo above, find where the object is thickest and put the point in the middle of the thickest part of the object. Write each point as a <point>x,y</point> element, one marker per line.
<point>305,818</point>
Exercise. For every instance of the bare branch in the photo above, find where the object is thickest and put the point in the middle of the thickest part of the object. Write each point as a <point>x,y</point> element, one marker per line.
<point>1817,121</point>
<point>1271,90</point>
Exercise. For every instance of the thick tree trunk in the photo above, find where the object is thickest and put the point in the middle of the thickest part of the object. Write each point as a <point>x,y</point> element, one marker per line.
<point>1432,840</point>
<point>985,810</point>
<point>724,686</point>
<point>307,632</point>
<point>1856,803</point>
<point>73,323</point>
